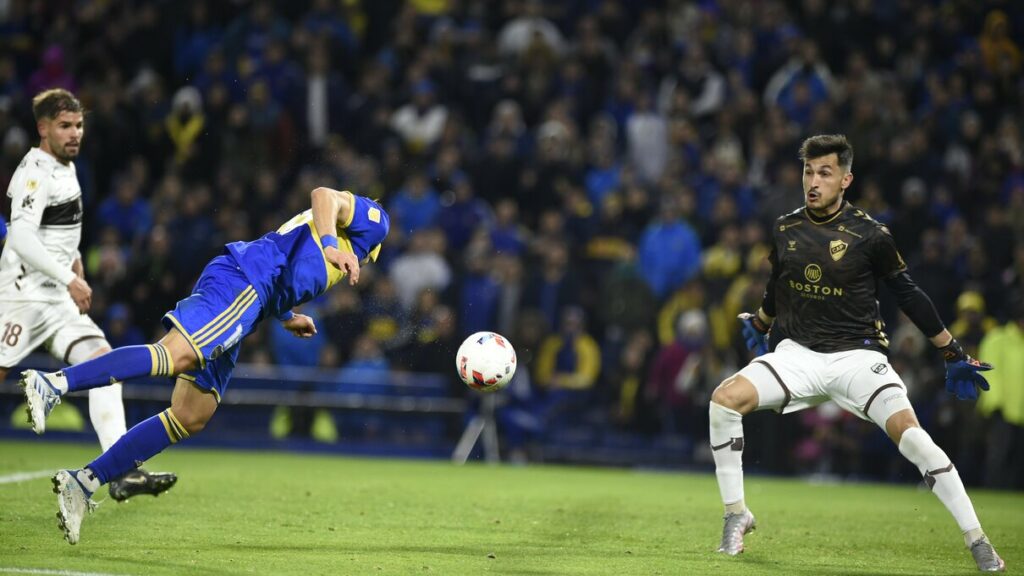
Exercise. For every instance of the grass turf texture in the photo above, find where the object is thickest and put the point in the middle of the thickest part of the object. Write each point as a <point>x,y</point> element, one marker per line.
<point>274,513</point>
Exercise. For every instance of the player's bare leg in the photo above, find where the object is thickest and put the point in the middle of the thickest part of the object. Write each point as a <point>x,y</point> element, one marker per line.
<point>734,398</point>
<point>940,475</point>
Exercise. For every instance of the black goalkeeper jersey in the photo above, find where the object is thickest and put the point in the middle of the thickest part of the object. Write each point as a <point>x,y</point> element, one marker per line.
<point>823,289</point>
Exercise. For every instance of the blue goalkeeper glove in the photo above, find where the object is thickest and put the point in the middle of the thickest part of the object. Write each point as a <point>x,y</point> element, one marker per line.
<point>963,376</point>
<point>755,333</point>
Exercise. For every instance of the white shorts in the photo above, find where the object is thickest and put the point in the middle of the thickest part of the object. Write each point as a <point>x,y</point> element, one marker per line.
<point>794,377</point>
<point>25,326</point>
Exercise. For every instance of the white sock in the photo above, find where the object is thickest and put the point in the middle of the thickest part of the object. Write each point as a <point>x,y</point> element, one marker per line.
<point>59,381</point>
<point>106,411</point>
<point>941,477</point>
<point>89,480</point>
<point>726,435</point>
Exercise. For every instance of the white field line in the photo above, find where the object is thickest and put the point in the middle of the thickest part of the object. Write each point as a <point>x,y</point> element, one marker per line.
<point>22,477</point>
<point>6,570</point>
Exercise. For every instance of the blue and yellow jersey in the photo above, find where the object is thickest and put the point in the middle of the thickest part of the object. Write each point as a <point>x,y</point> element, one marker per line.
<point>287,267</point>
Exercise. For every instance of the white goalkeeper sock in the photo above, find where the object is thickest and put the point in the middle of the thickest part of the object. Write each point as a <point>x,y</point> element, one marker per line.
<point>940,475</point>
<point>726,435</point>
<point>106,411</point>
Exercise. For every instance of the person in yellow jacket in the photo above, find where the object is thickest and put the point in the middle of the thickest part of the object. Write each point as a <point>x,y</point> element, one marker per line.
<point>568,365</point>
<point>1004,403</point>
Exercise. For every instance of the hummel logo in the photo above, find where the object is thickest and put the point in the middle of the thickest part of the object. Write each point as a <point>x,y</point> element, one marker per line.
<point>26,204</point>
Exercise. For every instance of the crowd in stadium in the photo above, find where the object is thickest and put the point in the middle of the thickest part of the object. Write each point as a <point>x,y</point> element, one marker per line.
<point>594,179</point>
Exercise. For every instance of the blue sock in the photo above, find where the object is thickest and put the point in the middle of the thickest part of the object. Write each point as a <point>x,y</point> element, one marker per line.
<point>121,364</point>
<point>145,440</point>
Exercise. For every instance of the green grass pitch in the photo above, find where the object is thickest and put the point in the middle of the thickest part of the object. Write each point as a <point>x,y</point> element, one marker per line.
<point>274,513</point>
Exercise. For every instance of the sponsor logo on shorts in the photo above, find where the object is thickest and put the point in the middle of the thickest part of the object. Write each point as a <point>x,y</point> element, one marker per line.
<point>880,368</point>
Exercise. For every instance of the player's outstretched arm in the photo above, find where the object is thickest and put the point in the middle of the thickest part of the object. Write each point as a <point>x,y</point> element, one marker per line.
<point>963,377</point>
<point>329,208</point>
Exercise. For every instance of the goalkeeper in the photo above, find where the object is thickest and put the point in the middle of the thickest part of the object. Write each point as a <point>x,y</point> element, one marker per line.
<point>821,310</point>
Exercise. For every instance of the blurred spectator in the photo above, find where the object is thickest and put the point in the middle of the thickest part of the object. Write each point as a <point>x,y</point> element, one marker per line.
<point>998,49</point>
<point>1004,402</point>
<point>567,367</point>
<point>416,205</point>
<point>125,211</point>
<point>368,364</point>
<point>971,324</point>
<point>119,328</point>
<point>421,121</point>
<point>527,27</point>
<point>422,267</point>
<point>669,250</point>
<point>554,285</point>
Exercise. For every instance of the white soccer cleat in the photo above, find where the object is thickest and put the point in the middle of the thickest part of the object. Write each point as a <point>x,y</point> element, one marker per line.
<point>736,526</point>
<point>40,396</point>
<point>73,503</point>
<point>985,556</point>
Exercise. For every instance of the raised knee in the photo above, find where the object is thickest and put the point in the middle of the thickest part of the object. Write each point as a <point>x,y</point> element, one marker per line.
<point>193,420</point>
<point>735,394</point>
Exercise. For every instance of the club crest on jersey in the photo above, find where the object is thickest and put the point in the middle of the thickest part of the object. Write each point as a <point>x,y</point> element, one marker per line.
<point>837,248</point>
<point>792,246</point>
<point>31,185</point>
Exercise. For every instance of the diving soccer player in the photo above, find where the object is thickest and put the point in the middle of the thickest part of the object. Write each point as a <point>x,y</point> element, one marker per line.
<point>238,289</point>
<point>821,307</point>
<point>42,284</point>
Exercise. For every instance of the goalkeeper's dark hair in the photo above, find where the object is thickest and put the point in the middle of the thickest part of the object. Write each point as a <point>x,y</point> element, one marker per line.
<point>48,104</point>
<point>825,144</point>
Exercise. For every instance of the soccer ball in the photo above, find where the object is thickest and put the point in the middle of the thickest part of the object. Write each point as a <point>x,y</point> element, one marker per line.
<point>486,361</point>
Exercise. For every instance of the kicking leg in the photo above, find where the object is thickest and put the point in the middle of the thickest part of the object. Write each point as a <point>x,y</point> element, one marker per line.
<point>734,398</point>
<point>172,355</point>
<point>940,475</point>
<point>190,410</point>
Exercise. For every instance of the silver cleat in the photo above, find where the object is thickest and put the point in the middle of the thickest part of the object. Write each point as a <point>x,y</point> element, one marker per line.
<point>73,503</point>
<point>736,525</point>
<point>40,396</point>
<point>985,556</point>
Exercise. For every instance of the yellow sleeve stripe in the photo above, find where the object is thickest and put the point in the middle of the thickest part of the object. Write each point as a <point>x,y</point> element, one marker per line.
<point>244,294</point>
<point>228,320</point>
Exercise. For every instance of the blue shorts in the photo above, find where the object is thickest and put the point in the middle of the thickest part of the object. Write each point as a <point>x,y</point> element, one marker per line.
<point>222,310</point>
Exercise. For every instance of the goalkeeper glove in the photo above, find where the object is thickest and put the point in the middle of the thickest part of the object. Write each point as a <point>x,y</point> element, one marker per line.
<point>963,376</point>
<point>755,333</point>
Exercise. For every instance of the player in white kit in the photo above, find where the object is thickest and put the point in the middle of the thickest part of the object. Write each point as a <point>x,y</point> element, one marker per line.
<point>44,298</point>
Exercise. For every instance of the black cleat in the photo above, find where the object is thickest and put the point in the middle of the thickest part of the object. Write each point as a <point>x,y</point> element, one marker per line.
<point>139,481</point>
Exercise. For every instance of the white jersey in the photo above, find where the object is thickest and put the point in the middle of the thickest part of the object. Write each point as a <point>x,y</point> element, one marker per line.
<point>45,194</point>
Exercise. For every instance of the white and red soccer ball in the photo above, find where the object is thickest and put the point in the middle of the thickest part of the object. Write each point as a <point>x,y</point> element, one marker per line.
<point>486,361</point>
